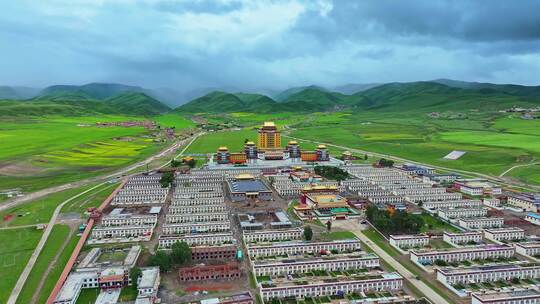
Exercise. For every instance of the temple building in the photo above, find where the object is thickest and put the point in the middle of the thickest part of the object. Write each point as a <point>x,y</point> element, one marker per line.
<point>323,202</point>
<point>269,136</point>
<point>269,149</point>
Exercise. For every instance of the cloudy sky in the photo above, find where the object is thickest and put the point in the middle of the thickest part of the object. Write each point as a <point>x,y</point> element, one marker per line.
<point>267,44</point>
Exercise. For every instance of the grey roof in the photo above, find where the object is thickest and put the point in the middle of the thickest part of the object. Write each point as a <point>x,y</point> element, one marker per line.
<point>248,186</point>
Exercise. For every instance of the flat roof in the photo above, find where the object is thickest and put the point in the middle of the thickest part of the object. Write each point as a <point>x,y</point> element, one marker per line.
<point>408,236</point>
<point>489,247</point>
<point>449,270</point>
<point>498,295</point>
<point>108,296</point>
<point>149,277</point>
<point>68,289</point>
<point>248,186</point>
<point>154,210</point>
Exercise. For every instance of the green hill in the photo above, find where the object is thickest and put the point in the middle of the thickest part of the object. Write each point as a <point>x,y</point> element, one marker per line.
<point>316,100</point>
<point>222,102</point>
<point>512,89</point>
<point>78,103</point>
<point>17,108</point>
<point>137,104</point>
<point>431,96</point>
<point>284,95</point>
<point>64,96</point>
<point>93,90</point>
<point>310,99</point>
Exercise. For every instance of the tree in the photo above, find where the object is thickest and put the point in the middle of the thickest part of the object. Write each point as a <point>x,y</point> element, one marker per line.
<point>383,162</point>
<point>166,179</point>
<point>328,225</point>
<point>161,259</point>
<point>134,275</point>
<point>192,163</point>
<point>181,253</point>
<point>175,163</point>
<point>365,157</point>
<point>331,172</point>
<point>308,233</point>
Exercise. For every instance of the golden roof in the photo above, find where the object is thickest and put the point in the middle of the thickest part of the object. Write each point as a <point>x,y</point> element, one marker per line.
<point>329,200</point>
<point>293,142</point>
<point>319,187</point>
<point>347,153</point>
<point>223,148</point>
<point>250,143</point>
<point>269,124</point>
<point>321,146</point>
<point>244,176</point>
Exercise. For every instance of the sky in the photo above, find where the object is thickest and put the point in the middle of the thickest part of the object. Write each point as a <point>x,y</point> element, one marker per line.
<point>267,44</point>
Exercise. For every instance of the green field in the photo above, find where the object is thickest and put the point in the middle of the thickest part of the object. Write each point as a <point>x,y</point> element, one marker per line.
<point>493,143</point>
<point>51,249</point>
<point>530,174</point>
<point>210,142</point>
<point>16,248</point>
<point>41,152</point>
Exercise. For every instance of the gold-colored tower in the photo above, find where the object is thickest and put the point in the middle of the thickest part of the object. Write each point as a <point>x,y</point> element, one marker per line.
<point>269,137</point>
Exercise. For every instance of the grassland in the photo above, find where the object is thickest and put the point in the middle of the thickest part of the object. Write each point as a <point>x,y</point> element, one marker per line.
<point>37,153</point>
<point>15,250</point>
<point>210,142</point>
<point>53,246</point>
<point>493,143</point>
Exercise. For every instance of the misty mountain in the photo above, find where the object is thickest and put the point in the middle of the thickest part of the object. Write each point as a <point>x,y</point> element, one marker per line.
<point>17,92</point>
<point>352,88</point>
<point>513,89</point>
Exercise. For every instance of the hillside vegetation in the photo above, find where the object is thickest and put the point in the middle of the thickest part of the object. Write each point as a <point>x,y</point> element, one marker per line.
<point>80,103</point>
<point>392,97</point>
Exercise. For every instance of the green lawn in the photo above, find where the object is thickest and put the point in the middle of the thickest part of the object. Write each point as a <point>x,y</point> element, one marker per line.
<point>338,235</point>
<point>128,293</point>
<point>52,247</point>
<point>16,248</point>
<point>436,225</point>
<point>88,296</point>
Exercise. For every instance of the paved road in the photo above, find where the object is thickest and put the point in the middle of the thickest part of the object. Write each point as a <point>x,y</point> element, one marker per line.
<point>485,176</point>
<point>431,294</point>
<point>41,193</point>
